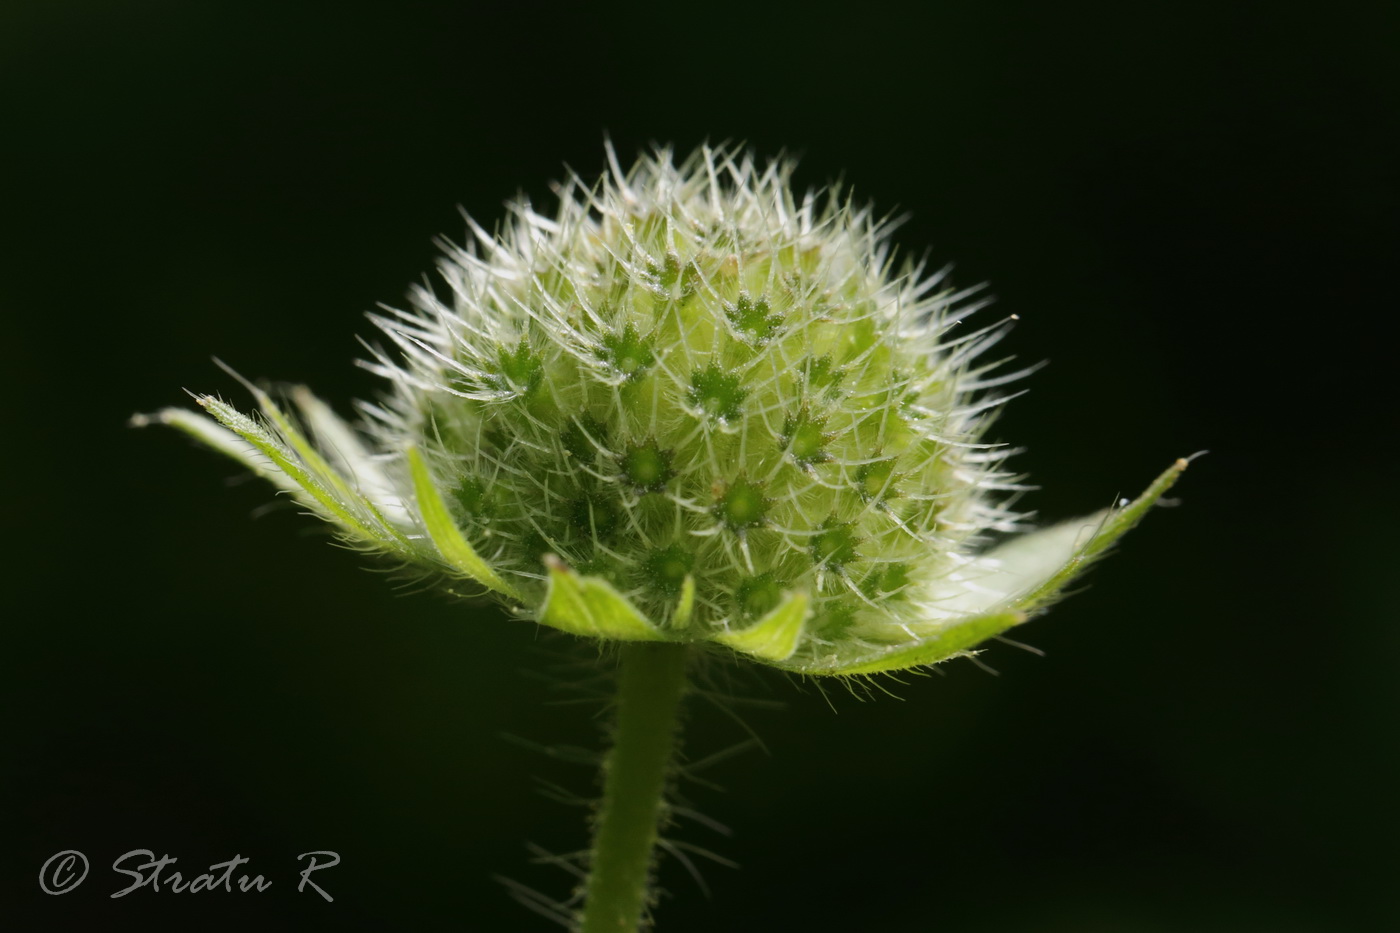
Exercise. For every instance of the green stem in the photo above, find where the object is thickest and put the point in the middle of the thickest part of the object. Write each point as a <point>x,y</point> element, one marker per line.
<point>650,686</point>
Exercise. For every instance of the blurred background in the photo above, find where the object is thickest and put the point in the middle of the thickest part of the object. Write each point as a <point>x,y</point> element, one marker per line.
<point>1190,210</point>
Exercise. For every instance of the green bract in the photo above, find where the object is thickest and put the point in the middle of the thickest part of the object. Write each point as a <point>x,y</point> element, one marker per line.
<point>690,406</point>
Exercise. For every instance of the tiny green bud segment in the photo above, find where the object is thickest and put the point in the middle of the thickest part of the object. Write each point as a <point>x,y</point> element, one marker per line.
<point>628,353</point>
<point>584,436</point>
<point>758,595</point>
<point>669,272</point>
<point>834,544</point>
<point>472,496</point>
<point>751,318</point>
<point>716,393</point>
<point>873,480</point>
<point>667,568</point>
<point>806,439</point>
<point>521,369</point>
<point>742,505</point>
<point>821,374</point>
<point>646,467</point>
<point>890,579</point>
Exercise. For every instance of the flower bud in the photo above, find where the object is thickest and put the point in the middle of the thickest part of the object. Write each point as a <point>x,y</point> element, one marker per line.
<point>690,405</point>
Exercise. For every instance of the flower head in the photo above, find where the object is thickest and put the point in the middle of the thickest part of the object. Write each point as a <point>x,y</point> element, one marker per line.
<point>689,405</point>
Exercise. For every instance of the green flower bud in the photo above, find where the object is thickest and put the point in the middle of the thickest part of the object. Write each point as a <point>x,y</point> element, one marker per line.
<point>690,406</point>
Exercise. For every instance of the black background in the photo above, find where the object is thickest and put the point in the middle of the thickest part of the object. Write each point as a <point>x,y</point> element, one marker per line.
<point>1192,211</point>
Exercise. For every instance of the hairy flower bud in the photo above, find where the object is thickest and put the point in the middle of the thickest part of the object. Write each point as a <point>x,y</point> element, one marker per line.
<point>690,406</point>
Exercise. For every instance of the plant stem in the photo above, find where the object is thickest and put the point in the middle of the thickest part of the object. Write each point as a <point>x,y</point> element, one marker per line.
<point>650,686</point>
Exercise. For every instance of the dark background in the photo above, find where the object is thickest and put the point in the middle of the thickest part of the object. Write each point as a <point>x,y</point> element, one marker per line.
<point>1191,211</point>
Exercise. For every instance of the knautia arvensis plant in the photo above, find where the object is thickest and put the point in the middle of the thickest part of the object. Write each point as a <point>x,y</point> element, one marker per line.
<point>688,410</point>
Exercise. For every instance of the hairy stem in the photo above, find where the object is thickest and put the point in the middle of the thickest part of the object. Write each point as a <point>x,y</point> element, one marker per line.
<point>650,686</point>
